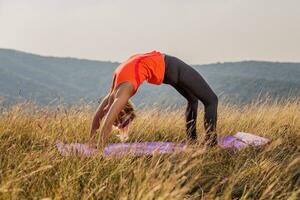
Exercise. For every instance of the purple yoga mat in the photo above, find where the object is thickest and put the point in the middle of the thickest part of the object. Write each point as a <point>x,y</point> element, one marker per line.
<point>241,140</point>
<point>238,141</point>
<point>143,148</point>
<point>75,149</point>
<point>228,142</point>
<point>121,149</point>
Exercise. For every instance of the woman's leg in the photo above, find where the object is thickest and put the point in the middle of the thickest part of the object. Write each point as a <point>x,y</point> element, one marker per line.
<point>181,75</point>
<point>191,79</point>
<point>190,113</point>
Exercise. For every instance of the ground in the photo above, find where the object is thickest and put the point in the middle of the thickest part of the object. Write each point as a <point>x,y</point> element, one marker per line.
<point>31,167</point>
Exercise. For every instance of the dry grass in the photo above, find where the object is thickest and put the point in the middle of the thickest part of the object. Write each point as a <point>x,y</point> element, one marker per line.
<point>31,168</point>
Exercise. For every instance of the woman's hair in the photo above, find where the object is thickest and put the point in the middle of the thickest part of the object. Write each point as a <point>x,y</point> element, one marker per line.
<point>126,115</point>
<point>129,108</point>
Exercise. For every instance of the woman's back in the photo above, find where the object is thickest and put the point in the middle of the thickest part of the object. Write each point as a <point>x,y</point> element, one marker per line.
<point>140,67</point>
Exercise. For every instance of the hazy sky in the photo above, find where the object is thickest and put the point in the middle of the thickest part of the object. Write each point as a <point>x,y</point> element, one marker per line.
<point>197,31</point>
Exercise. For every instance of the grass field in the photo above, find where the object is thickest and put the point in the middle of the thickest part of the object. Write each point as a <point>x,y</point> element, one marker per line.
<point>31,168</point>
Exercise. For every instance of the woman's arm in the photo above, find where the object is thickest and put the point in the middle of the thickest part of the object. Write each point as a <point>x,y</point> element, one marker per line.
<point>120,101</point>
<point>100,112</point>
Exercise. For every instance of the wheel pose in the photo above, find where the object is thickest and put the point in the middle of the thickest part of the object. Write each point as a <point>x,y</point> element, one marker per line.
<point>155,68</point>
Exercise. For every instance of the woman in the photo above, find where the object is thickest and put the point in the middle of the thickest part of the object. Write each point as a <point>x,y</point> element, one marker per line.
<point>156,68</point>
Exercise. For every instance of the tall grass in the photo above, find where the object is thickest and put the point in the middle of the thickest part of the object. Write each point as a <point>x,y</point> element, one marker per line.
<point>31,168</point>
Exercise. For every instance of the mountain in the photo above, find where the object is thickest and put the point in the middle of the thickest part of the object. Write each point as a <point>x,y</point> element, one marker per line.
<point>45,80</point>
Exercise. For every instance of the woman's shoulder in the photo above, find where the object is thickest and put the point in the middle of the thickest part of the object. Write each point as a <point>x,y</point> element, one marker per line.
<point>124,88</point>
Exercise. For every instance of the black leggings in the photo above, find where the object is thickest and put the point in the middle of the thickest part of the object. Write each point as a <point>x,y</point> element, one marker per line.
<point>189,83</point>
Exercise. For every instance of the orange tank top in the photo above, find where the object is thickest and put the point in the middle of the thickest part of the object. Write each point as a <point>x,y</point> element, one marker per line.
<point>140,67</point>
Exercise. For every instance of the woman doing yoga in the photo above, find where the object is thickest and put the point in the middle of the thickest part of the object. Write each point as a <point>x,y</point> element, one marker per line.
<point>155,68</point>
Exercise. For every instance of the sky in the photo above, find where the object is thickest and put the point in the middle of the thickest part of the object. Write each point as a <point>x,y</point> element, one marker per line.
<point>197,31</point>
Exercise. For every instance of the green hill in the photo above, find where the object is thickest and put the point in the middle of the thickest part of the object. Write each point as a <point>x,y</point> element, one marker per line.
<point>51,79</point>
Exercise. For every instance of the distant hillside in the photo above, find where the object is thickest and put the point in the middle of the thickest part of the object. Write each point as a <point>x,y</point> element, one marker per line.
<point>47,79</point>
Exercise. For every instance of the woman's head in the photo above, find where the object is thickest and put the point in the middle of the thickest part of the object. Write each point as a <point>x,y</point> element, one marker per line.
<point>126,116</point>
